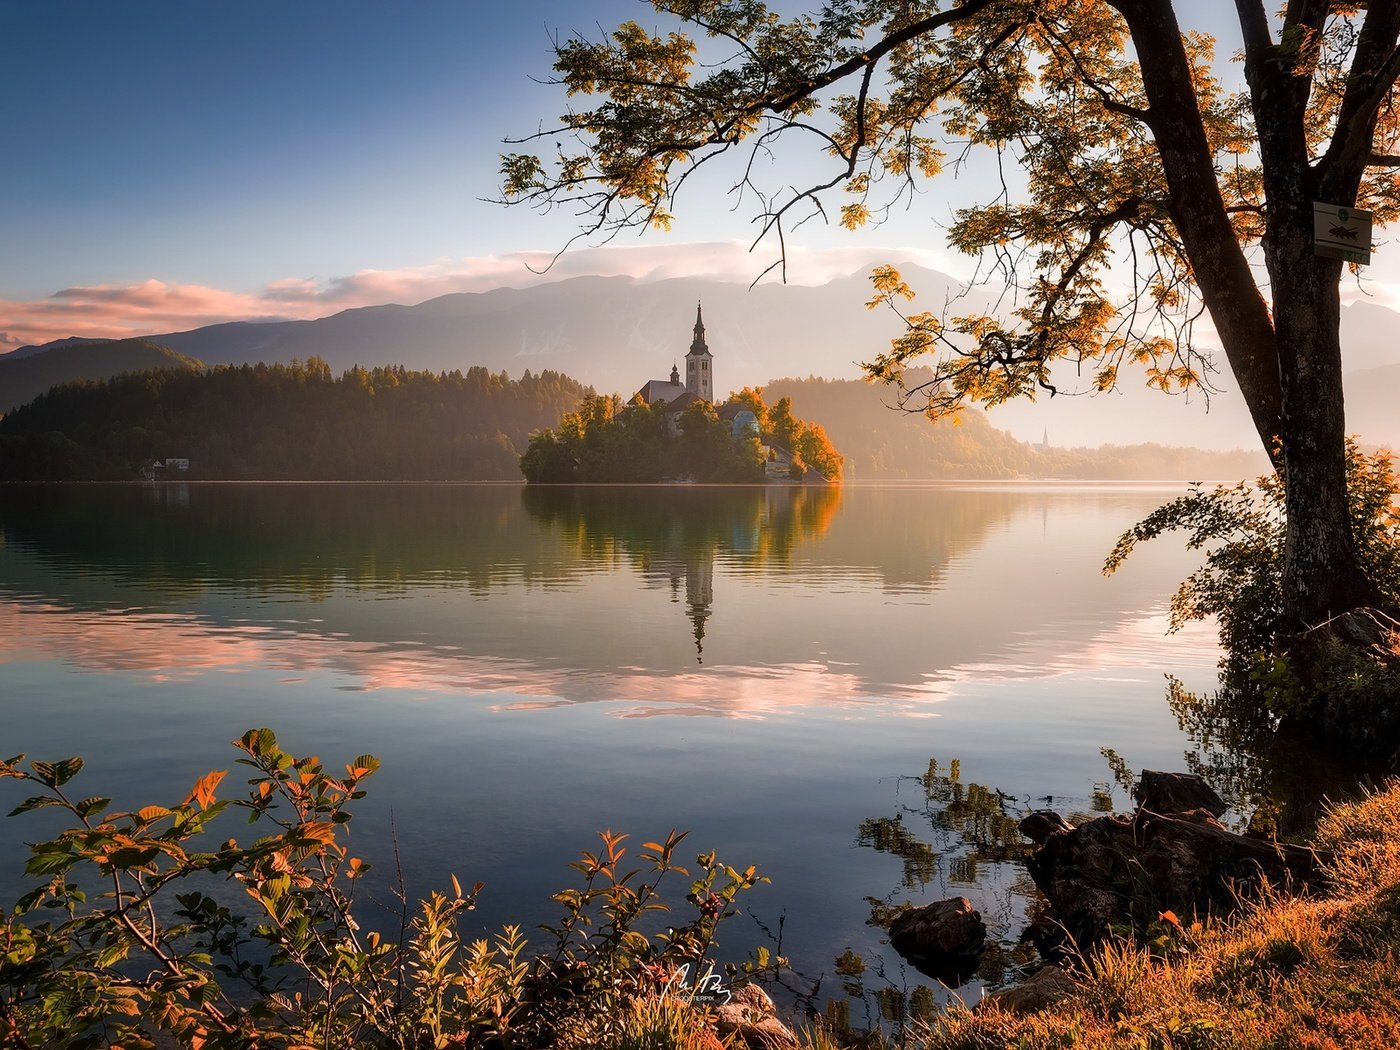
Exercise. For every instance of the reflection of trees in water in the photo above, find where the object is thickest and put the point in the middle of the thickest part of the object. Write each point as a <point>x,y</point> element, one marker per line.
<point>955,837</point>
<point>674,533</point>
<point>758,523</point>
<point>956,834</point>
<point>1276,778</point>
<point>891,531</point>
<point>306,538</point>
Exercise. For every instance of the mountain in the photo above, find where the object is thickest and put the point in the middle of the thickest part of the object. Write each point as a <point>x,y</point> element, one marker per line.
<point>52,344</point>
<point>1372,395</point>
<point>615,333</point>
<point>66,360</point>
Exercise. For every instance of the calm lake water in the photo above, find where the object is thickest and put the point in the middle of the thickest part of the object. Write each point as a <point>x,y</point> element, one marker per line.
<point>772,669</point>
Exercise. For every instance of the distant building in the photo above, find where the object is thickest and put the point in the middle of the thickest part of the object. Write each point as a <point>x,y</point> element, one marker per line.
<point>699,377</point>
<point>661,391</point>
<point>742,422</point>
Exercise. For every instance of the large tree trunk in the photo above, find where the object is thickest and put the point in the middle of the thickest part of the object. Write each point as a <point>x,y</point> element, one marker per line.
<point>1288,365</point>
<point>1322,575</point>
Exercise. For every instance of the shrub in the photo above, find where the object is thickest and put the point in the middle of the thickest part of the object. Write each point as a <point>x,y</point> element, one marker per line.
<point>101,955</point>
<point>1347,691</point>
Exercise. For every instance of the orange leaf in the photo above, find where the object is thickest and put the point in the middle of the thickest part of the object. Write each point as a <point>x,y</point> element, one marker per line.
<point>203,791</point>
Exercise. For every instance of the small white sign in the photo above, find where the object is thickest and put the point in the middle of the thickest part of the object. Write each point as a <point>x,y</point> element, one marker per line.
<point>1342,233</point>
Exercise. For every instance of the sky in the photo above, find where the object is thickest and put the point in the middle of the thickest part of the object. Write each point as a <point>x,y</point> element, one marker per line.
<point>170,165</point>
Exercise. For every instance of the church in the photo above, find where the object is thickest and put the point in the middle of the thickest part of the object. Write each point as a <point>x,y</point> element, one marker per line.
<point>699,377</point>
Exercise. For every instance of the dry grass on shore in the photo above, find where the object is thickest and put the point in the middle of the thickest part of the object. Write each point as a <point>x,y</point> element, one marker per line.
<point>1318,972</point>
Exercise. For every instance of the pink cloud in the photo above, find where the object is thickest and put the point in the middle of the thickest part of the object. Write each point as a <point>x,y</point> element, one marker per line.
<point>151,307</point>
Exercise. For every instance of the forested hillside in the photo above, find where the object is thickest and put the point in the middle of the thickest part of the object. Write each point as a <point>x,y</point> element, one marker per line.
<point>882,443</point>
<point>24,378</point>
<point>293,421</point>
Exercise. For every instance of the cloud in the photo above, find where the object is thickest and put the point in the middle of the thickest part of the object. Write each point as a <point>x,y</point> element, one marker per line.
<point>153,306</point>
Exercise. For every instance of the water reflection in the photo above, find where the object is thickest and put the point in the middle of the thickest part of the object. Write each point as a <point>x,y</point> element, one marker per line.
<point>673,536</point>
<point>546,597</point>
<point>520,646</point>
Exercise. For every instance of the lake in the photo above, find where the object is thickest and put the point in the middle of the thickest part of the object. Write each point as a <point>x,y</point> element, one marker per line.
<point>852,689</point>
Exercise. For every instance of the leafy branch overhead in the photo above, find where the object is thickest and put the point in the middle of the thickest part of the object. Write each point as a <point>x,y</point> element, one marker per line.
<point>1040,100</point>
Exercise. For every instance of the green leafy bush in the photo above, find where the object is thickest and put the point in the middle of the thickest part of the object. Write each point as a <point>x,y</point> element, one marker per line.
<point>1241,527</point>
<point>99,954</point>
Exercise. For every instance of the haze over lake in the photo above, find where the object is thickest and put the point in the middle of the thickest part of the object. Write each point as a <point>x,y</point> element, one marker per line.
<point>772,669</point>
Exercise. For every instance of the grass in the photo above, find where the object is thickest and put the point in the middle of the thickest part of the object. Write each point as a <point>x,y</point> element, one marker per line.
<point>1290,973</point>
<point>1285,973</point>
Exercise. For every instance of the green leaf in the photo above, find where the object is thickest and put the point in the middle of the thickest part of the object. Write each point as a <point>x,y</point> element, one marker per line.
<point>35,802</point>
<point>67,769</point>
<point>49,863</point>
<point>366,762</point>
<point>89,807</point>
<point>132,856</point>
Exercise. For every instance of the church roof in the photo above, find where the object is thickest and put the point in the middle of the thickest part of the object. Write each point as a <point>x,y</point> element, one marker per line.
<point>731,409</point>
<point>657,391</point>
<point>683,402</point>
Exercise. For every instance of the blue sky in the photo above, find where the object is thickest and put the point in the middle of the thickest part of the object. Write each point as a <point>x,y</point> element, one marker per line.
<point>174,164</point>
<point>210,141</point>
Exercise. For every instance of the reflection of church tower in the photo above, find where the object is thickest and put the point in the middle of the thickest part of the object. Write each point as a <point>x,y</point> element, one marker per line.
<point>700,594</point>
<point>699,379</point>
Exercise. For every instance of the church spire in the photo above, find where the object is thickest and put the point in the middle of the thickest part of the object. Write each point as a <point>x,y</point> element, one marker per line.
<point>699,380</point>
<point>697,345</point>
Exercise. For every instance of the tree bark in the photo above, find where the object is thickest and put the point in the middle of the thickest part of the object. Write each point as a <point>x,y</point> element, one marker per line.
<point>1288,363</point>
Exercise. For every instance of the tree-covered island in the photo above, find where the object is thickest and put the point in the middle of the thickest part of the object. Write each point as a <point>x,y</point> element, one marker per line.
<point>743,441</point>
<point>672,431</point>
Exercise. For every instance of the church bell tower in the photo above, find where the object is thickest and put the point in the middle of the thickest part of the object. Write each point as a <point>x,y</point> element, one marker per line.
<point>699,376</point>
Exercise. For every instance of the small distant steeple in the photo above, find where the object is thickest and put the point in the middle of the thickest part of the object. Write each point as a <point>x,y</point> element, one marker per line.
<point>675,375</point>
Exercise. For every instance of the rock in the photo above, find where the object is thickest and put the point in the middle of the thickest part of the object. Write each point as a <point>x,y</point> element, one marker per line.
<point>942,939</point>
<point>1038,825</point>
<point>1049,985</point>
<point>749,1020</point>
<point>1176,793</point>
<point>1125,871</point>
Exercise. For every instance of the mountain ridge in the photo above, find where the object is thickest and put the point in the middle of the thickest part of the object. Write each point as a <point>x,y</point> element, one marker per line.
<point>618,332</point>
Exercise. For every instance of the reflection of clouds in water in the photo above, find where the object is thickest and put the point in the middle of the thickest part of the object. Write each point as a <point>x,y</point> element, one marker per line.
<point>171,647</point>
<point>1139,642</point>
<point>168,647</point>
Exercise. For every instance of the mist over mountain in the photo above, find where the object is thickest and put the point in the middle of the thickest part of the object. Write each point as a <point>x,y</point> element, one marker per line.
<point>615,333</point>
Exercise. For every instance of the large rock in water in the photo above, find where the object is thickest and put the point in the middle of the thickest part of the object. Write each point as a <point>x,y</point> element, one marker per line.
<point>1176,793</point>
<point>1039,824</point>
<point>1126,870</point>
<point>942,940</point>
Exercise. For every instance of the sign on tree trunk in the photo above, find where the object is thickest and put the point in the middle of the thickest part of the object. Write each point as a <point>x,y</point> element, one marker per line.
<point>1342,233</point>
